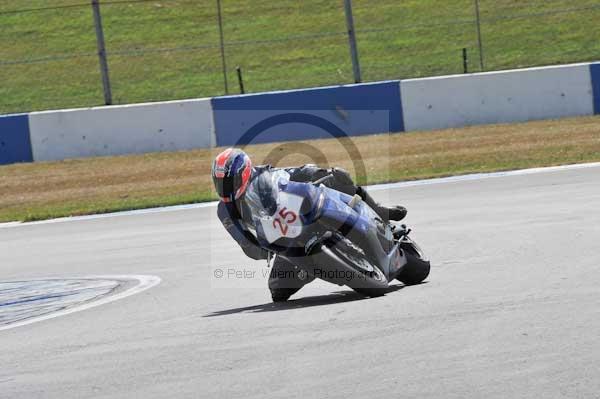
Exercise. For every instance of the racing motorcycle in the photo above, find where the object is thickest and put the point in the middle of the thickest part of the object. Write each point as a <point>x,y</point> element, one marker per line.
<point>333,236</point>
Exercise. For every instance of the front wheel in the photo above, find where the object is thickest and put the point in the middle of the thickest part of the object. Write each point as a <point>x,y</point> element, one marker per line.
<point>364,277</point>
<point>417,267</point>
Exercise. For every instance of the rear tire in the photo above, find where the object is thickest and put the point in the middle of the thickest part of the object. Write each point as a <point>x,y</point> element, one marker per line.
<point>416,269</point>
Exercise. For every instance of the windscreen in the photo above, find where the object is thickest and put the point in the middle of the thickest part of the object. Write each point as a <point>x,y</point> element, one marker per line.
<point>262,195</point>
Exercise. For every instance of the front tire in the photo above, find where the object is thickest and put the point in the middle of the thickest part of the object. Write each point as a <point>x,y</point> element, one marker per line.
<point>370,280</point>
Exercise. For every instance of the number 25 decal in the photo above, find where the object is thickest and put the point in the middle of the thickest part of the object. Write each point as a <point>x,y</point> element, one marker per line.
<point>288,217</point>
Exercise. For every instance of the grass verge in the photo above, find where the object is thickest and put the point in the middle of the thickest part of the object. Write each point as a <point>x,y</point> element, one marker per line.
<point>98,185</point>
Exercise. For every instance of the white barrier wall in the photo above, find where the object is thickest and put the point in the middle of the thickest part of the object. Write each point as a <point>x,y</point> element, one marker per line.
<point>497,97</point>
<point>117,130</point>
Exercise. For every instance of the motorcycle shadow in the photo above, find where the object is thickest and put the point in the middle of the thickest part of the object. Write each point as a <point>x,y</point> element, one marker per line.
<point>303,302</point>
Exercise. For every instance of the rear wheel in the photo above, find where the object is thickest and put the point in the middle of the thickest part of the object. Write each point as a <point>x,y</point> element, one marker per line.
<point>417,267</point>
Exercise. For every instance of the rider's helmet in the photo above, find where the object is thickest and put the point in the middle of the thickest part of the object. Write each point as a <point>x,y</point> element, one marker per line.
<point>231,173</point>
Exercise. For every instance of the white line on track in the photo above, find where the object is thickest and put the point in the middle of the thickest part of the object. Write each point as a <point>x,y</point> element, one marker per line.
<point>377,187</point>
<point>482,176</point>
<point>144,283</point>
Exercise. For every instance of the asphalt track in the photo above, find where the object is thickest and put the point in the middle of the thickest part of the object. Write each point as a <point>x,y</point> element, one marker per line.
<point>511,309</point>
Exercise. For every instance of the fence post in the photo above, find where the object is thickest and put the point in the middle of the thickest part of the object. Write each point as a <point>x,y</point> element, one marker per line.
<point>352,40</point>
<point>479,42</point>
<point>240,79</point>
<point>465,61</point>
<point>222,44</point>
<point>102,52</point>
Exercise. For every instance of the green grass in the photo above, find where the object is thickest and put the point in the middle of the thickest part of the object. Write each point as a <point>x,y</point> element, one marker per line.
<point>76,207</point>
<point>396,39</point>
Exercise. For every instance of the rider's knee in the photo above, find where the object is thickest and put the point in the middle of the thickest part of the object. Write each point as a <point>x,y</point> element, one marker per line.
<point>342,181</point>
<point>285,275</point>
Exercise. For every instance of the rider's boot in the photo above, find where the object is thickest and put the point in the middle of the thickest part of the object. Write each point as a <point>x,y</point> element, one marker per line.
<point>282,294</point>
<point>396,213</point>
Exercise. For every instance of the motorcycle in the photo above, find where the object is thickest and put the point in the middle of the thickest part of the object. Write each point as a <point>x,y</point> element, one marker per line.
<point>333,236</point>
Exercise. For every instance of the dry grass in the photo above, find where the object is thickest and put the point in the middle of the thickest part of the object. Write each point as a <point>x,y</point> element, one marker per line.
<point>95,185</point>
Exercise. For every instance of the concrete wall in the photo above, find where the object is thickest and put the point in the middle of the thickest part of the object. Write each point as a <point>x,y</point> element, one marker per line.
<point>117,130</point>
<point>497,97</point>
<point>413,104</point>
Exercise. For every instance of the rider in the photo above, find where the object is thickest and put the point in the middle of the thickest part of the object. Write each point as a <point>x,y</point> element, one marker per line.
<point>233,176</point>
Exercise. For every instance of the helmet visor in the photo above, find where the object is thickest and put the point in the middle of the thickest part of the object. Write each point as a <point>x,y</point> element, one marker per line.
<point>225,186</point>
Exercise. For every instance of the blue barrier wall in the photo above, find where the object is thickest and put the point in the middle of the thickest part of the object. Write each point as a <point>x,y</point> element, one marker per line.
<point>308,114</point>
<point>595,72</point>
<point>15,144</point>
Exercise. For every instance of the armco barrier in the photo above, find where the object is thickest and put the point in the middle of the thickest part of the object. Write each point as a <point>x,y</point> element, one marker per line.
<point>497,97</point>
<point>14,139</point>
<point>356,109</point>
<point>130,129</point>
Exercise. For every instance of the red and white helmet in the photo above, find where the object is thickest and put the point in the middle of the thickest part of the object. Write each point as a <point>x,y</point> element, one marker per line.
<point>231,173</point>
